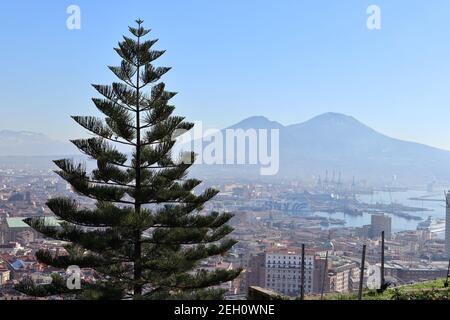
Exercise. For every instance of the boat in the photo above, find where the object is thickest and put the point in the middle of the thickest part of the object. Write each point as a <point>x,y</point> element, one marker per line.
<point>432,225</point>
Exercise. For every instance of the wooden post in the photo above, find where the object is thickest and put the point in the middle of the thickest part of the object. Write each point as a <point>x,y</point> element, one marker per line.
<point>325,272</point>
<point>447,208</point>
<point>302,281</point>
<point>382,282</point>
<point>448,272</point>
<point>361,276</point>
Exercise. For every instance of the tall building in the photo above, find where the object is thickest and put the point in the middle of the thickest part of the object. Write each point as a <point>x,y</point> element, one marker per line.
<point>254,274</point>
<point>447,224</point>
<point>283,271</point>
<point>379,223</point>
<point>28,196</point>
<point>343,276</point>
<point>339,274</point>
<point>320,272</point>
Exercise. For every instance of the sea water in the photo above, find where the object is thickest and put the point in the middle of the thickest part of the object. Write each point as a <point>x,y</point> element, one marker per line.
<point>435,209</point>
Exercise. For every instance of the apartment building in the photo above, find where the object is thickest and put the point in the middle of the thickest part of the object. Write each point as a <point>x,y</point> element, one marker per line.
<point>283,271</point>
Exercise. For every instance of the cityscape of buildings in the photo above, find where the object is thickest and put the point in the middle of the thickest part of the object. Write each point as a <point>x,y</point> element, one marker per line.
<point>322,127</point>
<point>272,221</point>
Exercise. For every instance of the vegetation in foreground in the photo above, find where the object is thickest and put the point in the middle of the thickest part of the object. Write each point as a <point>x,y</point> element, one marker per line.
<point>428,290</point>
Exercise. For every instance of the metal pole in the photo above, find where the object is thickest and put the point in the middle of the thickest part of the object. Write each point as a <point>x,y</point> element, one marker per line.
<point>382,261</point>
<point>302,281</point>
<point>325,272</point>
<point>361,276</point>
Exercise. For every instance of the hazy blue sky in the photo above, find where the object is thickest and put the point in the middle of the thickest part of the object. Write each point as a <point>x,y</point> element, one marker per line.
<point>287,60</point>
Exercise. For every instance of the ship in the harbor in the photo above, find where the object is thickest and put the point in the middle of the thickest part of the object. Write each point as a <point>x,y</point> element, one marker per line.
<point>432,225</point>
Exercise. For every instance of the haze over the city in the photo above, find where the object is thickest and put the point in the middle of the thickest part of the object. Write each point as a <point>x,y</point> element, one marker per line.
<point>234,154</point>
<point>287,62</point>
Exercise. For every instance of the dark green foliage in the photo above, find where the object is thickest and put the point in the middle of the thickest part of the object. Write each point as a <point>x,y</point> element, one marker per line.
<point>429,294</point>
<point>146,235</point>
<point>57,286</point>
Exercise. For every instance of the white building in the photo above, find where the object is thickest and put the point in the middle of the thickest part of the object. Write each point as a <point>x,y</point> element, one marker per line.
<point>344,276</point>
<point>283,271</point>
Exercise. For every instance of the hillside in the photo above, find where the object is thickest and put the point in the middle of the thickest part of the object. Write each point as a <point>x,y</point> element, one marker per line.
<point>31,144</point>
<point>427,290</point>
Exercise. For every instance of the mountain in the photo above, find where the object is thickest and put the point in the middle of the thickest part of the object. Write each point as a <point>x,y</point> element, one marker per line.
<point>257,122</point>
<point>340,143</point>
<point>331,141</point>
<point>26,143</point>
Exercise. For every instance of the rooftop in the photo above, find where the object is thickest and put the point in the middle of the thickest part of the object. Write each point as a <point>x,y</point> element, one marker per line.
<point>15,223</point>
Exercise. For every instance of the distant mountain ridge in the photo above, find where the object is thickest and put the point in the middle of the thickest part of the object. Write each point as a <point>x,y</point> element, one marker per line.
<point>340,143</point>
<point>27,143</point>
<point>257,122</point>
<point>331,141</point>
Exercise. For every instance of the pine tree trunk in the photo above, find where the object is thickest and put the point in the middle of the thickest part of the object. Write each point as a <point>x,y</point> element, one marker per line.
<point>137,247</point>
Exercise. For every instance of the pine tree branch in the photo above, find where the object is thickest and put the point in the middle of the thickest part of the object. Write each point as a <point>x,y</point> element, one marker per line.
<point>118,184</point>
<point>120,164</point>
<point>115,101</point>
<point>126,107</point>
<point>121,142</point>
<point>159,167</point>
<point>104,215</point>
<point>114,201</point>
<point>153,143</point>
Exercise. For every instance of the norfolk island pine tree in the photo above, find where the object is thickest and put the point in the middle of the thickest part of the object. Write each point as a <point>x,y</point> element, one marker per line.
<point>148,231</point>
